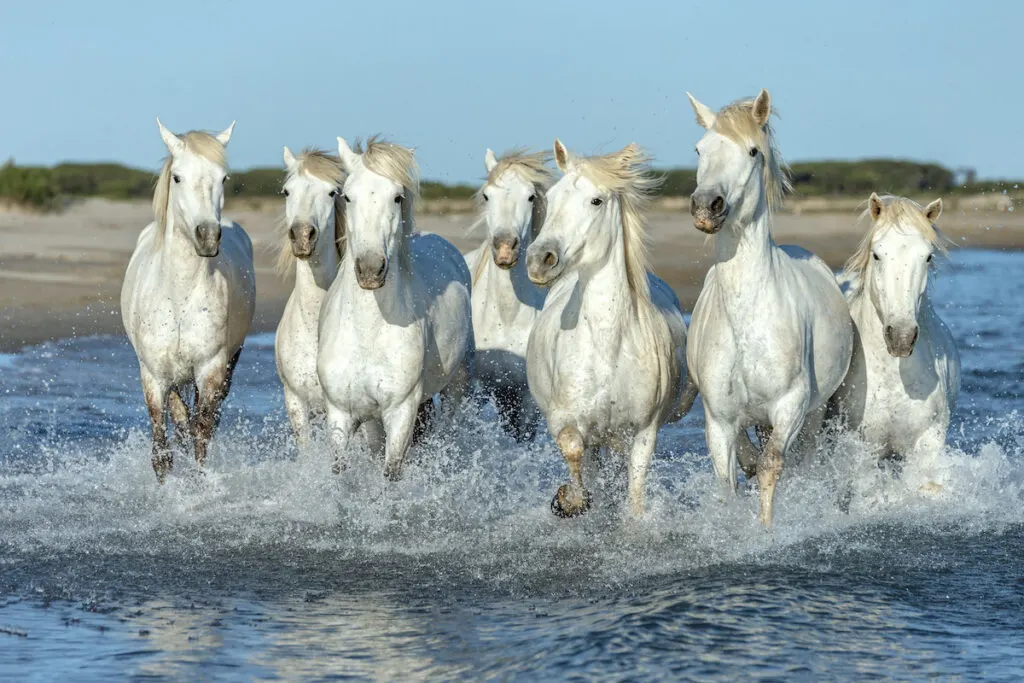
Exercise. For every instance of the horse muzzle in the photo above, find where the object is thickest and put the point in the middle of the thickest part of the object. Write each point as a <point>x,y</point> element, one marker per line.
<point>505,251</point>
<point>303,239</point>
<point>899,341</point>
<point>709,211</point>
<point>543,265</point>
<point>207,239</point>
<point>371,271</point>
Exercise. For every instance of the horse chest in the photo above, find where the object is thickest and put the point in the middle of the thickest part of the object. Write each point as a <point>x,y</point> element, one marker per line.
<point>296,351</point>
<point>177,336</point>
<point>902,398</point>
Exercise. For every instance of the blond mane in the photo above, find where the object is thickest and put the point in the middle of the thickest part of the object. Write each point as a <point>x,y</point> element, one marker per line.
<point>199,143</point>
<point>626,174</point>
<point>736,122</point>
<point>898,213</point>
<point>326,167</point>
<point>532,168</point>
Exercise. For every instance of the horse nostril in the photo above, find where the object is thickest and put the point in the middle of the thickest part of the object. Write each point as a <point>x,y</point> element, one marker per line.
<point>718,204</point>
<point>312,234</point>
<point>515,244</point>
<point>291,234</point>
<point>913,337</point>
<point>550,259</point>
<point>888,331</point>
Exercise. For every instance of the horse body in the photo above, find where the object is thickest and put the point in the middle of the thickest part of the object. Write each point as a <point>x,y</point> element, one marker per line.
<point>314,218</point>
<point>396,327</point>
<point>606,357</point>
<point>770,336</point>
<point>505,303</point>
<point>188,296</point>
<point>901,389</point>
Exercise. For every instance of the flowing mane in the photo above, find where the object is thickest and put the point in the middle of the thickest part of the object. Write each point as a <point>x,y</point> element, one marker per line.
<point>199,143</point>
<point>898,213</point>
<point>736,122</point>
<point>626,174</point>
<point>326,167</point>
<point>398,164</point>
<point>531,167</point>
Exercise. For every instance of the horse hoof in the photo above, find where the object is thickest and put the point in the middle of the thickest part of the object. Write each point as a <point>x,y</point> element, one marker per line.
<point>392,473</point>
<point>337,467</point>
<point>564,505</point>
<point>749,472</point>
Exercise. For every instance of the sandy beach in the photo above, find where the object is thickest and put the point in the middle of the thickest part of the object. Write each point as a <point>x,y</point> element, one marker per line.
<point>60,274</point>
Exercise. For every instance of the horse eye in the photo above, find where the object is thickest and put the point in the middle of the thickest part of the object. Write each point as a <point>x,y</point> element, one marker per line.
<point>176,177</point>
<point>929,260</point>
<point>753,151</point>
<point>332,193</point>
<point>347,200</point>
<point>697,151</point>
<point>486,198</point>
<point>284,192</point>
<point>398,199</point>
<point>224,180</point>
<point>597,201</point>
<point>530,198</point>
<point>875,256</point>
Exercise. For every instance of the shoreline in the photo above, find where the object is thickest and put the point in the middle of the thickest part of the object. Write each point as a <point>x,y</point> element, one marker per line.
<point>60,274</point>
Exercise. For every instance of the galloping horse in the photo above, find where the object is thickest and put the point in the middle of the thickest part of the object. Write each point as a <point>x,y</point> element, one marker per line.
<point>189,294</point>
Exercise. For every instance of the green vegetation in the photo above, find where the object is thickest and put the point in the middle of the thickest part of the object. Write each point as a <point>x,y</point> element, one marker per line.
<point>45,188</point>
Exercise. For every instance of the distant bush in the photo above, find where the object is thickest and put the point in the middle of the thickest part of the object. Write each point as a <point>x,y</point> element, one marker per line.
<point>43,188</point>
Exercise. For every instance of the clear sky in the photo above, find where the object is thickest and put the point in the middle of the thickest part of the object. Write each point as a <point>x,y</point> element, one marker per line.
<point>935,80</point>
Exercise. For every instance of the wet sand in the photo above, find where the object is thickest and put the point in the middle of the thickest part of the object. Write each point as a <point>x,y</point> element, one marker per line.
<point>60,274</point>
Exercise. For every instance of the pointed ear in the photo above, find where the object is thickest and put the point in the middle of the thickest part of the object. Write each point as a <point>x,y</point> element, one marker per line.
<point>562,157</point>
<point>762,108</point>
<point>933,211</point>
<point>224,136</point>
<point>348,157</point>
<point>490,161</point>
<point>172,141</point>
<point>705,117</point>
<point>875,206</point>
<point>289,158</point>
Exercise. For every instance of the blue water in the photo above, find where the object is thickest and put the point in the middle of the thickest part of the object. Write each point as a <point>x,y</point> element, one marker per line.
<point>271,567</point>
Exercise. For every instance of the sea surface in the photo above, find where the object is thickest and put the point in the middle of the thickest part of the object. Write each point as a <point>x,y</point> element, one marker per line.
<point>270,567</point>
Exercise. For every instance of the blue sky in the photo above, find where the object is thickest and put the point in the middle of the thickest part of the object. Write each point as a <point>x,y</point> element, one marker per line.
<point>922,80</point>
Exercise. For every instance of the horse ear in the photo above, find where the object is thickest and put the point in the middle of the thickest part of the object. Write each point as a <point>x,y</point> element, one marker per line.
<point>705,117</point>
<point>289,158</point>
<point>348,157</point>
<point>224,136</point>
<point>933,210</point>
<point>562,158</point>
<point>172,141</point>
<point>762,108</point>
<point>490,161</point>
<point>875,206</point>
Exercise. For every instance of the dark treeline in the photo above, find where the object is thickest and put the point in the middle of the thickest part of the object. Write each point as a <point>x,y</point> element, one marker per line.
<point>46,187</point>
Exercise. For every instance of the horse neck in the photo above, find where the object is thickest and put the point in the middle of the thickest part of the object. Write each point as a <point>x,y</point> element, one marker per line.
<point>313,276</point>
<point>745,252</point>
<point>605,286</point>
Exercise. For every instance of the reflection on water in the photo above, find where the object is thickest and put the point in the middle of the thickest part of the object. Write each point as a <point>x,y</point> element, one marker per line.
<point>269,566</point>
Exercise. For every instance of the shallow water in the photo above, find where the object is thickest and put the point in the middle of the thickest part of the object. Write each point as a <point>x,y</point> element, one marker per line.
<point>269,566</point>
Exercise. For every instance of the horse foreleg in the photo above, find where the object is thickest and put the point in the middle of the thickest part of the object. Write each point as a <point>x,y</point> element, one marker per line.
<point>721,437</point>
<point>298,415</point>
<point>788,418</point>
<point>640,457</point>
<point>572,499</point>
<point>156,394</point>
<point>340,428</point>
<point>399,423</point>
<point>212,386</point>
<point>686,399</point>
<point>180,416</point>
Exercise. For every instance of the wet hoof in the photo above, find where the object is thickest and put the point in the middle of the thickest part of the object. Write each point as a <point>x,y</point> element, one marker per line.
<point>392,473</point>
<point>162,464</point>
<point>338,467</point>
<point>566,505</point>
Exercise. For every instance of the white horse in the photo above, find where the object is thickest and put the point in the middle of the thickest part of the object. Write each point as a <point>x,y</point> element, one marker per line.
<point>505,302</point>
<point>189,294</point>
<point>905,375</point>
<point>606,357</point>
<point>315,226</point>
<point>770,336</point>
<point>396,327</point>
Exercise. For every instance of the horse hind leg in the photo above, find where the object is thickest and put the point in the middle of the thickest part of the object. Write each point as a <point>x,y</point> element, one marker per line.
<point>180,415</point>
<point>572,499</point>
<point>155,394</point>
